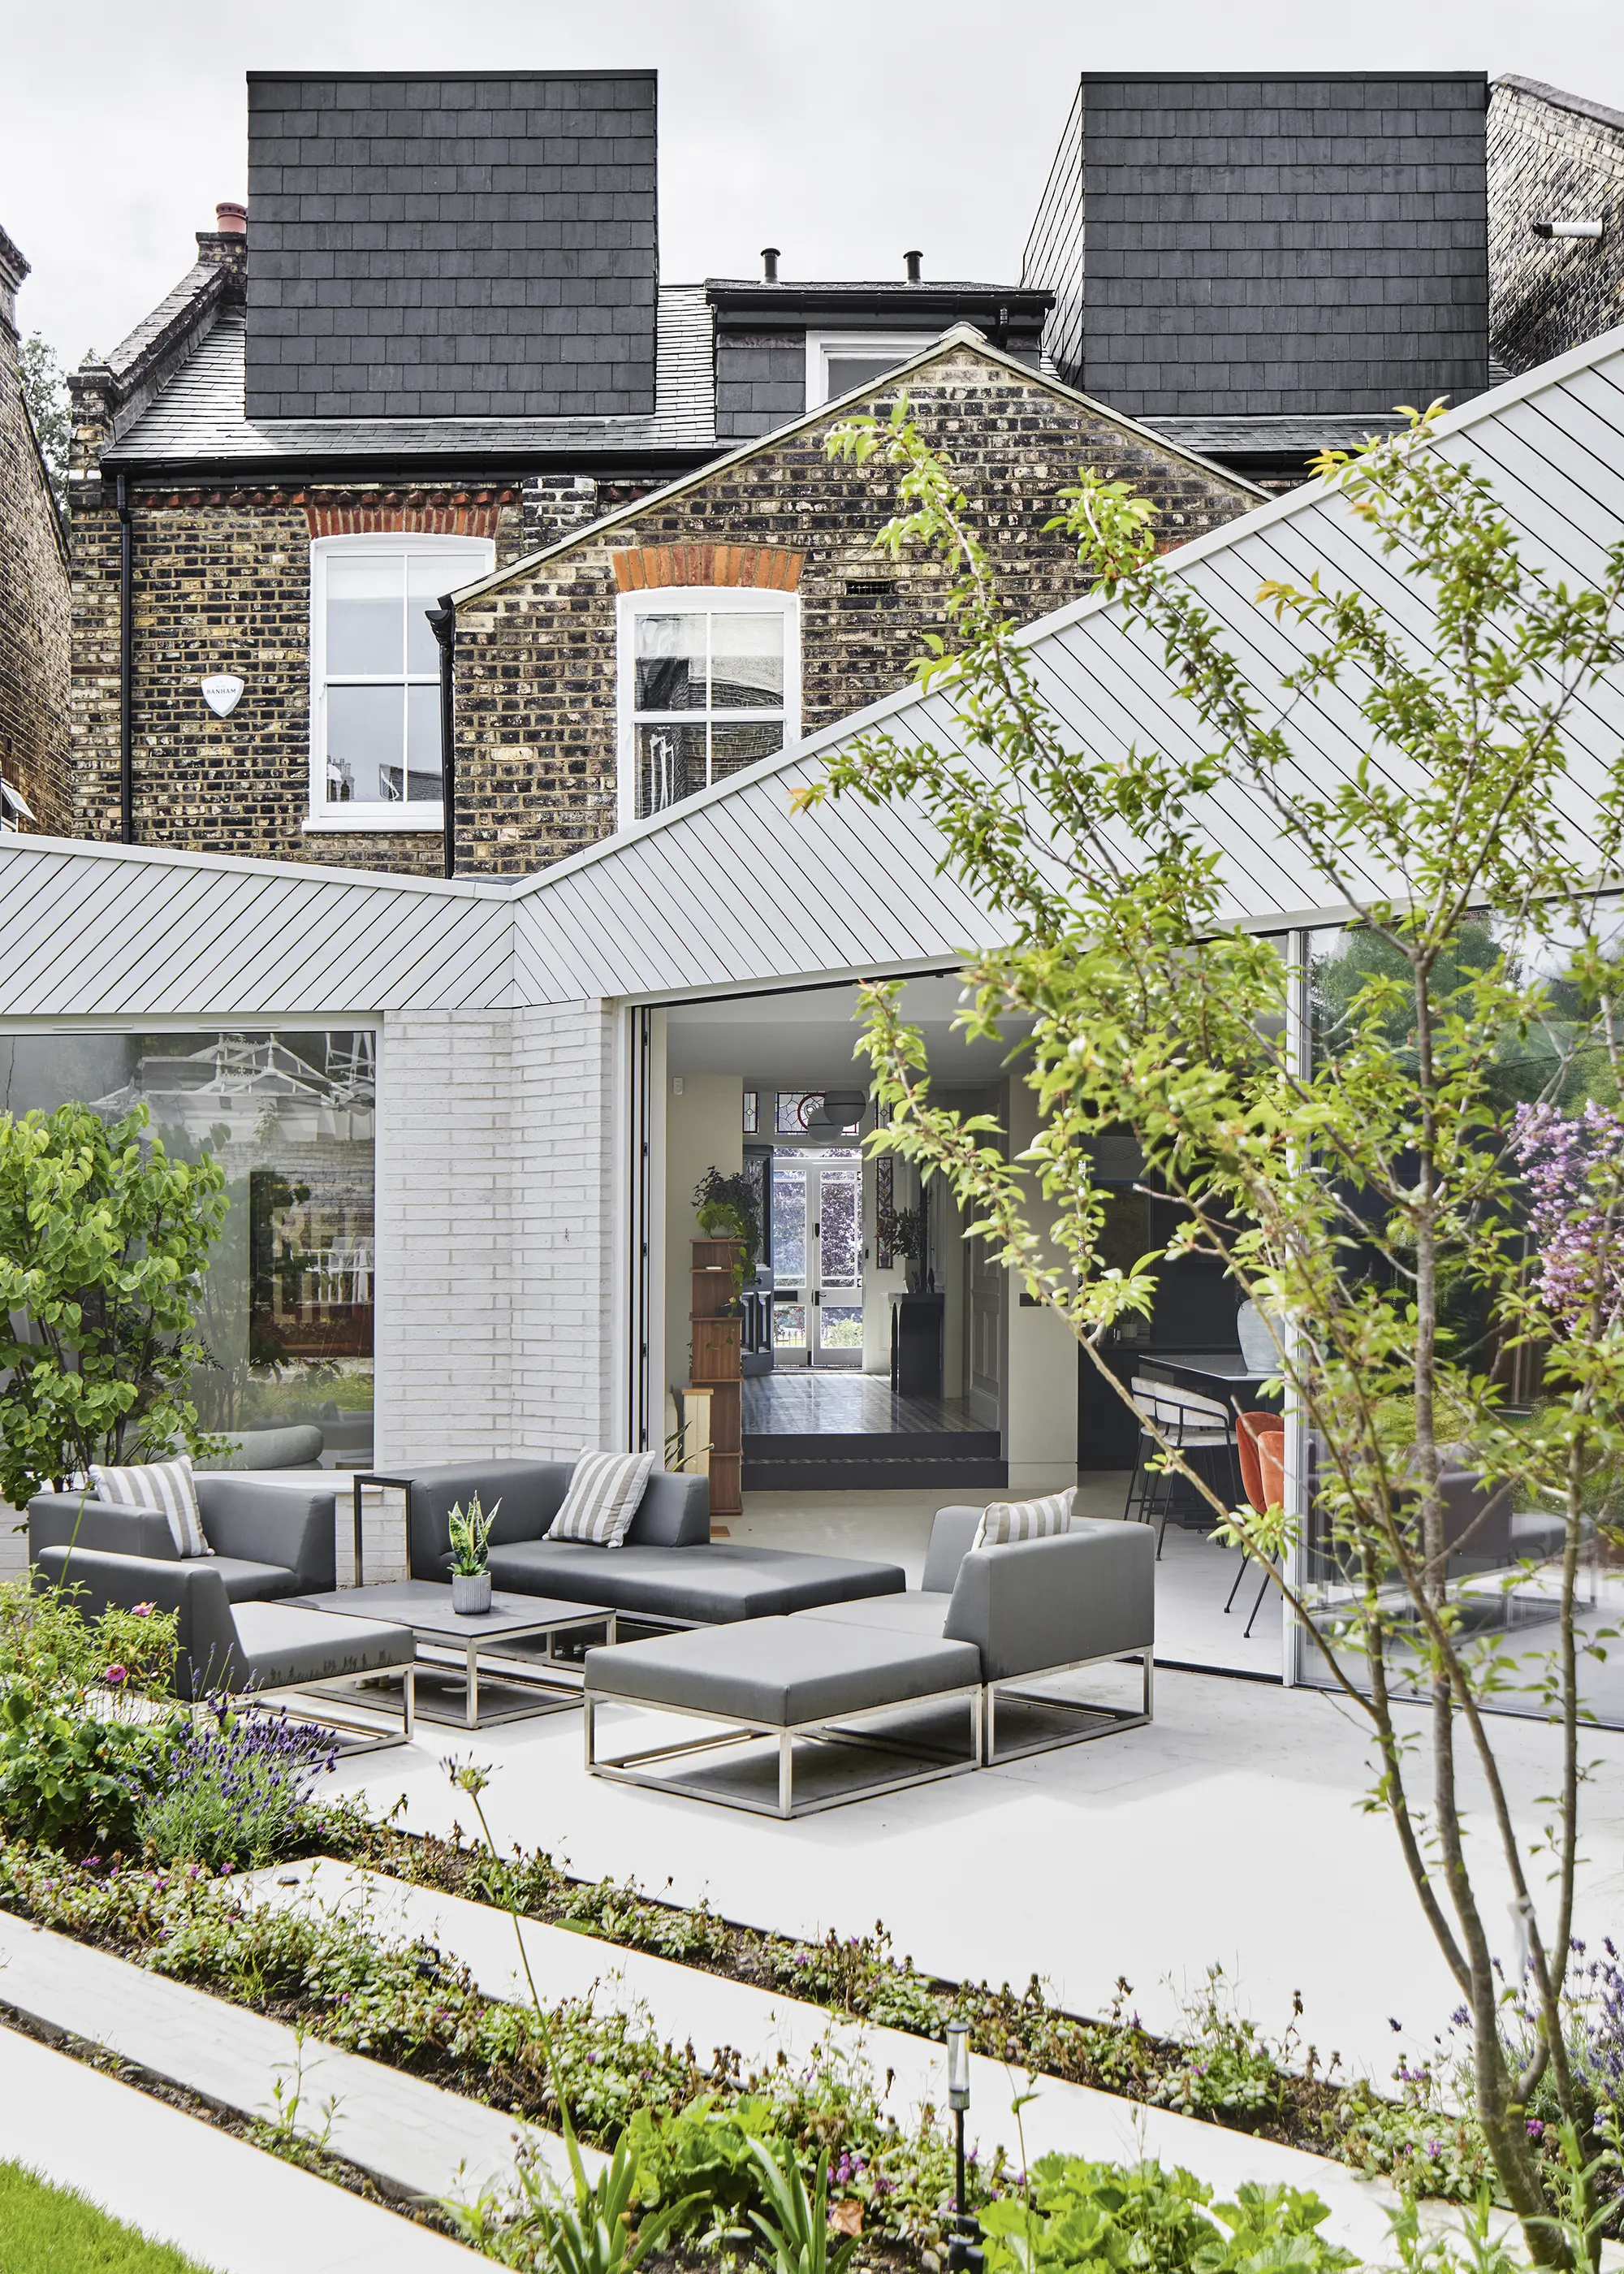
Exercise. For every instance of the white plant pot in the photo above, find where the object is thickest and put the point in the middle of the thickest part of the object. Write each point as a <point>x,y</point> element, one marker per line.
<point>470,1593</point>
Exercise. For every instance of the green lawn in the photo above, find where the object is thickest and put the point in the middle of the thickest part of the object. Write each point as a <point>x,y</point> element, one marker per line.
<point>46,2230</point>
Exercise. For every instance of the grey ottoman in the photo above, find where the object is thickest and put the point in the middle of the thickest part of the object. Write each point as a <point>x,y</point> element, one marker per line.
<point>787,1678</point>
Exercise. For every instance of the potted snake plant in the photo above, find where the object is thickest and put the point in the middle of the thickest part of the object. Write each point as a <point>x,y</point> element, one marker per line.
<point>469,1530</point>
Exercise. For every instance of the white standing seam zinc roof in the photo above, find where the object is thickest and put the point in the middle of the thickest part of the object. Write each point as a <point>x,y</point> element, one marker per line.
<point>732,889</point>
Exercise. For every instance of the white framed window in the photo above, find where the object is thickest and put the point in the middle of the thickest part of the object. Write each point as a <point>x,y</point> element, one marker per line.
<point>374,675</point>
<point>709,681</point>
<point>838,361</point>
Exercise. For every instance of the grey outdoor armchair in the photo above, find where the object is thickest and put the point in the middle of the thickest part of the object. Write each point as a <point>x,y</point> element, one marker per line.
<point>268,1539</point>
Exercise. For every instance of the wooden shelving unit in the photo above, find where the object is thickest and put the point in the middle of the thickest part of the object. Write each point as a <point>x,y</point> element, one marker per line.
<point>716,1328</point>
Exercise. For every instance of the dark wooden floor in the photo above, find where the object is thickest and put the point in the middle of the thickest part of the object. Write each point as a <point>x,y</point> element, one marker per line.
<point>809,1401</point>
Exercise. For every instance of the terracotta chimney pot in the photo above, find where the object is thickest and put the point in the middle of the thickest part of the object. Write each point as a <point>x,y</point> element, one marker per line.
<point>230,219</point>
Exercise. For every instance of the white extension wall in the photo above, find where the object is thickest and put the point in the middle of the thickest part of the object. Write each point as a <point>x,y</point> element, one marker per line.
<point>568,1263</point>
<point>497,1221</point>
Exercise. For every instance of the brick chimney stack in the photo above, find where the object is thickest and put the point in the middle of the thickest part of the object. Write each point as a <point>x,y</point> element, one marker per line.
<point>226,244</point>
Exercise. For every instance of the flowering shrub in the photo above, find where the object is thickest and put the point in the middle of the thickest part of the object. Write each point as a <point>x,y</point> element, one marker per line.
<point>1573,1164</point>
<point>60,1659</point>
<point>234,1790</point>
<point>76,1780</point>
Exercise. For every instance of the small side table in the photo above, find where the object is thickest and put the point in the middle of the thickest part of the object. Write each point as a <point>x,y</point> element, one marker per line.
<point>372,1477</point>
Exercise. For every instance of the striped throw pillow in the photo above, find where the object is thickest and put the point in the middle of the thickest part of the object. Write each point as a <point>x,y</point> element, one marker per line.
<point>1004,1521</point>
<point>604,1492</point>
<point>166,1486</point>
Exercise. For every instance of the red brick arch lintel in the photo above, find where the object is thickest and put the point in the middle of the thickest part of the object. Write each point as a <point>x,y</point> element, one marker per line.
<point>770,567</point>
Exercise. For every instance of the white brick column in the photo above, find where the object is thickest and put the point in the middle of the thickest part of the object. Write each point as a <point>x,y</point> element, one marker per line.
<point>444,1324</point>
<point>567,1262</point>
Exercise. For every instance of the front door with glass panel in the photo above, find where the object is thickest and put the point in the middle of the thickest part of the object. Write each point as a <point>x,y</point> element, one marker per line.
<point>817,1259</point>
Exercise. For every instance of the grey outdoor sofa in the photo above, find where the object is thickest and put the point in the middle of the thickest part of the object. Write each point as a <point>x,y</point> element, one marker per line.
<point>268,1539</point>
<point>668,1572</point>
<point>908,1670</point>
<point>230,1648</point>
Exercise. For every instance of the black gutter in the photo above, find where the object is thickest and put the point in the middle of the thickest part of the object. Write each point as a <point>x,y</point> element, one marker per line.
<point>442,623</point>
<point>126,668</point>
<point>430,471</point>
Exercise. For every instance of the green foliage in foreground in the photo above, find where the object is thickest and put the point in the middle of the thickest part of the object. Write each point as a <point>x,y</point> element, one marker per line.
<point>1108,2216</point>
<point>104,1241</point>
<point>50,2229</point>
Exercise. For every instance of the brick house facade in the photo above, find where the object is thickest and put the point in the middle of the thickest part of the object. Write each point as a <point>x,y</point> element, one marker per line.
<point>539,747</point>
<point>245,535</point>
<point>1552,157</point>
<point>33,600</point>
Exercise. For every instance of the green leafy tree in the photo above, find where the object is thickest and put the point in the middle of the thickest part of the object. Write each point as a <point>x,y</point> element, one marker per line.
<point>104,1241</point>
<point>45,393</point>
<point>1357,1190</point>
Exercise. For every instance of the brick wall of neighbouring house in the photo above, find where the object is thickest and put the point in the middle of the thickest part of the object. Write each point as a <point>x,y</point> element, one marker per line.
<point>536,672</point>
<point>33,600</point>
<point>1551,157</point>
<point>221,584</point>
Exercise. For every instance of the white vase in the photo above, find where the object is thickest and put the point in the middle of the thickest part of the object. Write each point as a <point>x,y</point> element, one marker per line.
<point>470,1593</point>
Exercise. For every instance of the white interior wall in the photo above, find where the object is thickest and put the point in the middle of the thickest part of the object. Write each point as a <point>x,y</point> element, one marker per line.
<point>1040,1384</point>
<point>704,1129</point>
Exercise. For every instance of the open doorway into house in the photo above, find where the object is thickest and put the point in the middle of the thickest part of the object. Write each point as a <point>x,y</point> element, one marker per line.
<point>888,1366</point>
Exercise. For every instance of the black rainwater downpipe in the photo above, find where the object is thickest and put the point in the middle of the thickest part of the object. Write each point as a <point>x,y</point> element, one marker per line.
<point>442,623</point>
<point>126,667</point>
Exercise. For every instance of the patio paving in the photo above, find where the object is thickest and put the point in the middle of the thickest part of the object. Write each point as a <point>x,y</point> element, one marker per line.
<point>1228,1831</point>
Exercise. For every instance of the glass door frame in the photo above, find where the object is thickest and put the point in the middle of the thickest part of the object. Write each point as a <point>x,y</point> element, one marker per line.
<point>806,1292</point>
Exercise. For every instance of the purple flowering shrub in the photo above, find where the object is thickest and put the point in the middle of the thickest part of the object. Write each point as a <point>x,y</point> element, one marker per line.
<point>1572,1165</point>
<point>235,1789</point>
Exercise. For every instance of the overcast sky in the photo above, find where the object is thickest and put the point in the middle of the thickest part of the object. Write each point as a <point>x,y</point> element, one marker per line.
<point>844,131</point>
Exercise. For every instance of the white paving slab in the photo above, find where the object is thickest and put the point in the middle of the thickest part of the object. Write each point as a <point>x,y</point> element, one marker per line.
<point>409,2135</point>
<point>231,2207</point>
<point>685,2003</point>
<point>1231,1829</point>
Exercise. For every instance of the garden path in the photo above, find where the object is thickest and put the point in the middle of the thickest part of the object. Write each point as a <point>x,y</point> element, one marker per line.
<point>411,2137</point>
<point>231,2207</point>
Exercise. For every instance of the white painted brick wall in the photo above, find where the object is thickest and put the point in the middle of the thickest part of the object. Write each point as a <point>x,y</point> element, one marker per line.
<point>445,1236</point>
<point>565,1260</point>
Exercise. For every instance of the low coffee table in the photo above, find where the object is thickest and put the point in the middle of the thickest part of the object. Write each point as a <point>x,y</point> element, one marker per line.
<point>426,1609</point>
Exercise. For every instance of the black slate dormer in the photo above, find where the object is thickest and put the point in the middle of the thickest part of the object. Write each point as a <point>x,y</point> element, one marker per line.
<point>451,245</point>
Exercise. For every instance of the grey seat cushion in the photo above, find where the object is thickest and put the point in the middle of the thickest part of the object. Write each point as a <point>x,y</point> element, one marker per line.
<point>712,1585</point>
<point>253,1582</point>
<point>278,1643</point>
<point>916,1613</point>
<point>781,1672</point>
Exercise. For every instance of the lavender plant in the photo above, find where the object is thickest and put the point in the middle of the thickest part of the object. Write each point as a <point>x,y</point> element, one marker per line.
<point>235,1789</point>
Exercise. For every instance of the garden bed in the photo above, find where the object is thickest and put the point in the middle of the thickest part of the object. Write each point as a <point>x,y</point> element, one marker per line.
<point>1223,2071</point>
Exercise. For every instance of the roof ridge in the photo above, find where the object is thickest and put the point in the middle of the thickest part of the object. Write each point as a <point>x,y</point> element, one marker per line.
<point>957,335</point>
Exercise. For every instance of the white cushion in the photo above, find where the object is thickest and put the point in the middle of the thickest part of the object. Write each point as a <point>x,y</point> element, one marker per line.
<point>1004,1521</point>
<point>604,1492</point>
<point>164,1485</point>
